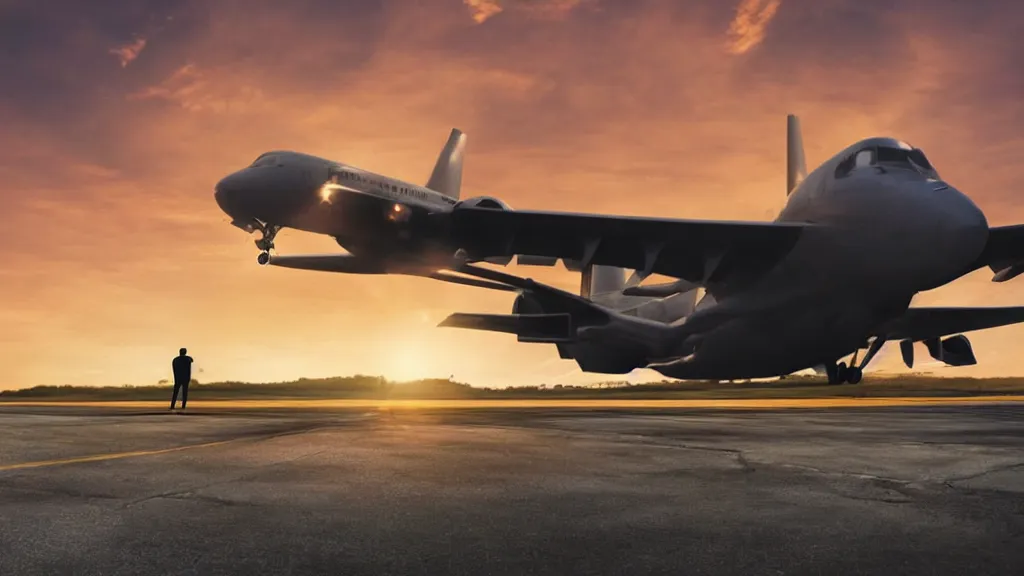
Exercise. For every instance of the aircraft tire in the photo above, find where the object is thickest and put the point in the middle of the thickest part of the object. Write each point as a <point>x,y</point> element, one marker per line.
<point>841,373</point>
<point>854,375</point>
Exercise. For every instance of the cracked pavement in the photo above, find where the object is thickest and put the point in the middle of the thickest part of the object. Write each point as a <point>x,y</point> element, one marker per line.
<point>930,490</point>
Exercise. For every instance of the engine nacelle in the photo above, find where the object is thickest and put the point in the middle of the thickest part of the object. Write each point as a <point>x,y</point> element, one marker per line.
<point>482,202</point>
<point>954,351</point>
<point>526,303</point>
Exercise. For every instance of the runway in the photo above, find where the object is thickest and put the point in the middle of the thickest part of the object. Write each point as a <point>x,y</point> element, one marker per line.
<point>547,403</point>
<point>440,489</point>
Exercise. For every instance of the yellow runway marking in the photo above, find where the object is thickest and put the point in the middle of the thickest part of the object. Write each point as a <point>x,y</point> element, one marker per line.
<point>735,403</point>
<point>102,457</point>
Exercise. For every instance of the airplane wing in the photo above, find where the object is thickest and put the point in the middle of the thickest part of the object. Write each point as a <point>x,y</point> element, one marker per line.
<point>696,250</point>
<point>1004,253</point>
<point>919,324</point>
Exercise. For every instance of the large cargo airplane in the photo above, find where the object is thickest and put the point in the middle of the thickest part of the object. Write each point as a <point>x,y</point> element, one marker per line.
<point>832,275</point>
<point>382,222</point>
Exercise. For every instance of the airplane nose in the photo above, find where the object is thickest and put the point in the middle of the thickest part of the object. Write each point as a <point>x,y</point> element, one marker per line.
<point>960,211</point>
<point>964,228</point>
<point>226,193</point>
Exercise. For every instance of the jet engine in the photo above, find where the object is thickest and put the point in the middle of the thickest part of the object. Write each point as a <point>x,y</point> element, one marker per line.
<point>482,202</point>
<point>952,351</point>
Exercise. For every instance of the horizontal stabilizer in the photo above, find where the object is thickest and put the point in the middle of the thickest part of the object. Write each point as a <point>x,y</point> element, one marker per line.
<point>342,263</point>
<point>546,328</point>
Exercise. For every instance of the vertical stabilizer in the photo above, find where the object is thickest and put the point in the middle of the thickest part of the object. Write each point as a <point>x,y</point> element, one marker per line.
<point>597,280</point>
<point>796,165</point>
<point>447,175</point>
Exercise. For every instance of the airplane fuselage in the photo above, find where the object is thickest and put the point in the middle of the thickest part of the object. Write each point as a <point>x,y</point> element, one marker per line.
<point>366,213</point>
<point>885,232</point>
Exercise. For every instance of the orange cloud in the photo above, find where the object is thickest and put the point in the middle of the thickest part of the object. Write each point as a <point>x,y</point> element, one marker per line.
<point>194,90</point>
<point>747,28</point>
<point>552,8</point>
<point>481,10</point>
<point>127,53</point>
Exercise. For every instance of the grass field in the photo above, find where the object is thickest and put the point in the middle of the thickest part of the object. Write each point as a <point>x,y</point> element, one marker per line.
<point>369,387</point>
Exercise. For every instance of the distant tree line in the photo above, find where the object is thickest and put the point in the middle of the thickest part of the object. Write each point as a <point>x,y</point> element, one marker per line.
<point>378,388</point>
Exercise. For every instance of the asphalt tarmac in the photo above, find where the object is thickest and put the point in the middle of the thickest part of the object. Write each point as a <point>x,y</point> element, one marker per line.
<point>935,489</point>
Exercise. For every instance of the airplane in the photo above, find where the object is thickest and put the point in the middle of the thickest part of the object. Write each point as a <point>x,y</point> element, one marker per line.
<point>832,275</point>
<point>383,223</point>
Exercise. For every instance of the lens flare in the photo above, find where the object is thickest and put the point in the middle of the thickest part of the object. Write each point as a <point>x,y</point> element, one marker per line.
<point>327,192</point>
<point>399,213</point>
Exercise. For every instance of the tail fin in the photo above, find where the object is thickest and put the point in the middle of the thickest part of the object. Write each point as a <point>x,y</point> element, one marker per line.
<point>595,280</point>
<point>796,165</point>
<point>447,175</point>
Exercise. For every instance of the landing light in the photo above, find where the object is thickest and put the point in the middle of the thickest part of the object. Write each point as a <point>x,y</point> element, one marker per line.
<point>399,213</point>
<point>327,192</point>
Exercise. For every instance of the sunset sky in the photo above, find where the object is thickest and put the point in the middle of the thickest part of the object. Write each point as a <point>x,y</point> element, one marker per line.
<point>117,118</point>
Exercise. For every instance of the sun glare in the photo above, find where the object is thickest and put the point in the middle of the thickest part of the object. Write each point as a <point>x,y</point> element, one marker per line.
<point>327,192</point>
<point>409,361</point>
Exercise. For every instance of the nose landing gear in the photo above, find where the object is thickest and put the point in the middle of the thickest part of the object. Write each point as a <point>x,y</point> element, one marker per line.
<point>266,242</point>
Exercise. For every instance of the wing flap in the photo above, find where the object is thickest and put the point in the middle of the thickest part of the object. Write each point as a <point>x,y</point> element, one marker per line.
<point>695,250</point>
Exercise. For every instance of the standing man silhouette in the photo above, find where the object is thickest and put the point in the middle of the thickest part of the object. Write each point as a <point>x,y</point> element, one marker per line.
<point>182,366</point>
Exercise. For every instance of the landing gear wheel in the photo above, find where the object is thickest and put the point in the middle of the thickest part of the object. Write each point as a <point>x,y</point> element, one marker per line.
<point>841,373</point>
<point>854,375</point>
<point>266,242</point>
<point>832,371</point>
<point>263,259</point>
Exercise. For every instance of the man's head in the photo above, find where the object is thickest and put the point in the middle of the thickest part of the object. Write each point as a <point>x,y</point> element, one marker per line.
<point>182,352</point>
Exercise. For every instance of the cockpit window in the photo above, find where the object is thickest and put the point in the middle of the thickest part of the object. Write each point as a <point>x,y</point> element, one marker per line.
<point>893,156</point>
<point>265,160</point>
<point>888,157</point>
<point>909,159</point>
<point>864,158</point>
<point>918,157</point>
